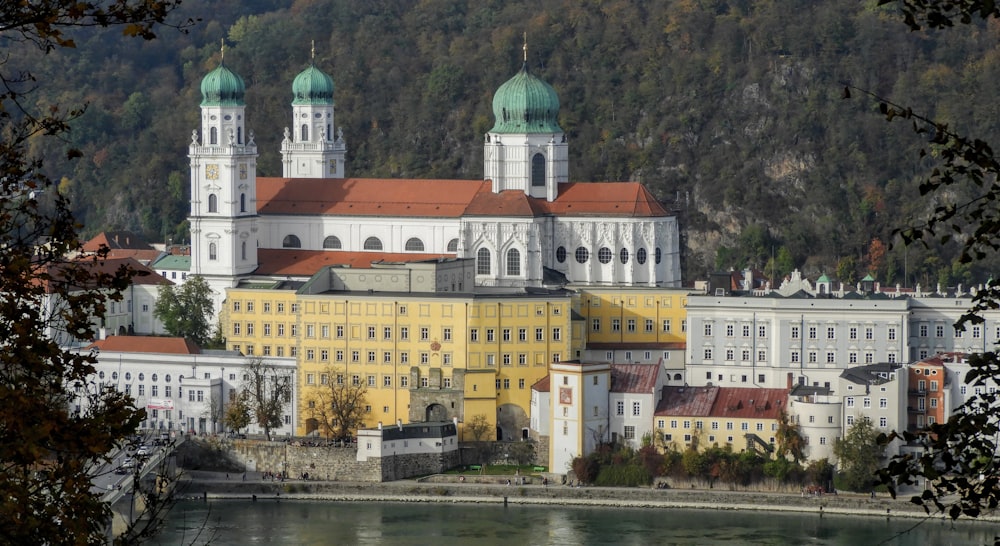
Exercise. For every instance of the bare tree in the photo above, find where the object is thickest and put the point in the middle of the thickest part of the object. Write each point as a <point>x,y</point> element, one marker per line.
<point>478,427</point>
<point>237,412</point>
<point>337,406</point>
<point>267,389</point>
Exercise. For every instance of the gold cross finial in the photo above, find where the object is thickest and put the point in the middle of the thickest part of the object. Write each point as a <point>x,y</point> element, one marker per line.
<point>312,54</point>
<point>223,50</point>
<point>525,47</point>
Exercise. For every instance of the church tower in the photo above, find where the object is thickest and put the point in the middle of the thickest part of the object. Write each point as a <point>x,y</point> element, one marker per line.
<point>310,149</point>
<point>223,158</point>
<point>526,149</point>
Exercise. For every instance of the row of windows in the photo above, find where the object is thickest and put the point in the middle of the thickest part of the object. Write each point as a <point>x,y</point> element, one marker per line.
<point>939,331</point>
<point>484,265</point>
<point>711,439</point>
<point>372,357</point>
<point>332,242</point>
<point>280,307</point>
<point>713,425</point>
<point>213,202</point>
<point>812,357</point>
<point>730,355</point>
<point>424,332</point>
<point>812,332</point>
<point>506,334</point>
<point>631,325</point>
<point>605,255</point>
<point>636,408</point>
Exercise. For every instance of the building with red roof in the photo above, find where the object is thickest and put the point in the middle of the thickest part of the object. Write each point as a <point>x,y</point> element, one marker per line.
<point>523,218</point>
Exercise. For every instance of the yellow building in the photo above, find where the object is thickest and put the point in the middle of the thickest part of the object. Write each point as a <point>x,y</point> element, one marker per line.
<point>423,352</point>
<point>741,418</point>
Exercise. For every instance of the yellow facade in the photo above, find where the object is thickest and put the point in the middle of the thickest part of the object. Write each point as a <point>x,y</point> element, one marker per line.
<point>430,356</point>
<point>639,316</point>
<point>680,432</point>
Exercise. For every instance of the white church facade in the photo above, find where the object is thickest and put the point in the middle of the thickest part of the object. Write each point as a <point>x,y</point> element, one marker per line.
<point>524,223</point>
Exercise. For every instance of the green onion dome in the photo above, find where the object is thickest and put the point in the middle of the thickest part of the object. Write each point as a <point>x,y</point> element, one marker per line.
<point>222,87</point>
<point>526,104</point>
<point>312,86</point>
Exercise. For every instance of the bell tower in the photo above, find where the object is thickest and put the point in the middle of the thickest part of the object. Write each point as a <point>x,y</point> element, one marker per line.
<point>310,149</point>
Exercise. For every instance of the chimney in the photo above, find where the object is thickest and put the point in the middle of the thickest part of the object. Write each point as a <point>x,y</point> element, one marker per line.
<point>789,384</point>
<point>399,423</point>
<point>380,425</point>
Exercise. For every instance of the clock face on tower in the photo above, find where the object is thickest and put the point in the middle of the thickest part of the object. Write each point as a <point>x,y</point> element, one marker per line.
<point>212,171</point>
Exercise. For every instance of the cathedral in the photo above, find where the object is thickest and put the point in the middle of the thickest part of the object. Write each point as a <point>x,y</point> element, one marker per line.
<point>525,224</point>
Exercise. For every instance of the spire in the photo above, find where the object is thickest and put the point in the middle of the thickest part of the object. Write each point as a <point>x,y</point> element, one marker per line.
<point>222,49</point>
<point>525,46</point>
<point>312,53</point>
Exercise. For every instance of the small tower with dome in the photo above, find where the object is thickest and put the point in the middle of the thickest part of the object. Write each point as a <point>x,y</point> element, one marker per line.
<point>223,160</point>
<point>526,150</point>
<point>312,146</point>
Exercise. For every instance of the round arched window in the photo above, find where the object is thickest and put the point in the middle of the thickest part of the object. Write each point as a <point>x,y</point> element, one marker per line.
<point>128,376</point>
<point>659,255</point>
<point>640,256</point>
<point>332,242</point>
<point>582,255</point>
<point>561,254</point>
<point>154,377</point>
<point>604,255</point>
<point>623,255</point>
<point>142,377</point>
<point>291,241</point>
<point>114,375</point>
<point>453,245</point>
<point>373,243</point>
<point>100,374</point>
<point>414,245</point>
<point>167,378</point>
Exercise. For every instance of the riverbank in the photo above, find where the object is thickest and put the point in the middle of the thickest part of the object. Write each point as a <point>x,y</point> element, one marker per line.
<point>252,487</point>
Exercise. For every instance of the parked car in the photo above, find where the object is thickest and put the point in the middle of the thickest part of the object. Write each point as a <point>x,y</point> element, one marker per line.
<point>129,462</point>
<point>144,451</point>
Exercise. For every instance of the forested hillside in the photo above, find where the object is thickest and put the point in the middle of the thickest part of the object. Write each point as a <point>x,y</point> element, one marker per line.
<point>730,111</point>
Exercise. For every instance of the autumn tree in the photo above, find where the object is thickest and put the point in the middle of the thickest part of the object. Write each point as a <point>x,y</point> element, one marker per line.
<point>48,448</point>
<point>236,412</point>
<point>267,389</point>
<point>338,406</point>
<point>478,427</point>
<point>789,439</point>
<point>858,456</point>
<point>186,311</point>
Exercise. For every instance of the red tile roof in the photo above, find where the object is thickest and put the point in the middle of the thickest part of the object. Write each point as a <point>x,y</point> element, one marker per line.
<point>634,378</point>
<point>143,274</point>
<point>305,263</point>
<point>116,240</point>
<point>741,403</point>
<point>687,401</point>
<point>542,385</point>
<point>146,344</point>
<point>447,198</point>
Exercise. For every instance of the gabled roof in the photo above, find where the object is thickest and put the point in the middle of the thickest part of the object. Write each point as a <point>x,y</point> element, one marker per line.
<point>687,401</point>
<point>146,344</point>
<point>121,239</point>
<point>744,403</point>
<point>416,198</point>
<point>305,263</point>
<point>634,378</point>
<point>144,276</point>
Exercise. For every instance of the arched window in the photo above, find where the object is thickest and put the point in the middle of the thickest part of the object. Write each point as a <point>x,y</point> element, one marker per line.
<point>538,170</point>
<point>213,203</point>
<point>213,136</point>
<point>659,255</point>
<point>623,255</point>
<point>582,255</point>
<point>213,251</point>
<point>453,245</point>
<point>483,261</point>
<point>513,262</point>
<point>561,254</point>
<point>640,256</point>
<point>373,243</point>
<point>332,242</point>
<point>329,135</point>
<point>605,255</point>
<point>243,250</point>
<point>243,202</point>
<point>414,245</point>
<point>305,133</point>
<point>239,135</point>
<point>291,241</point>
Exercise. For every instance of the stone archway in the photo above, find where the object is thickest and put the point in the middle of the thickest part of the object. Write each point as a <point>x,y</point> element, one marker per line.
<point>510,420</point>
<point>312,425</point>
<point>435,412</point>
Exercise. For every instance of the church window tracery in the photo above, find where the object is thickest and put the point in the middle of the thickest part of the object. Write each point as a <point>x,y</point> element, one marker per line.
<point>623,255</point>
<point>582,255</point>
<point>605,255</point>
<point>373,243</point>
<point>414,245</point>
<point>513,262</point>
<point>332,242</point>
<point>483,261</point>
<point>640,256</point>
<point>291,241</point>
<point>538,170</point>
<point>453,245</point>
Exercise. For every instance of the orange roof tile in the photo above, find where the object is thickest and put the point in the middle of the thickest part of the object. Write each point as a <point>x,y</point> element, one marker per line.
<point>116,240</point>
<point>743,403</point>
<point>542,385</point>
<point>143,274</point>
<point>366,197</point>
<point>447,198</point>
<point>146,344</point>
<point>305,263</point>
<point>634,378</point>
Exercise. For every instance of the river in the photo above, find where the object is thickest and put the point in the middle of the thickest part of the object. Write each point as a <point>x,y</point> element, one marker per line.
<point>231,523</point>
